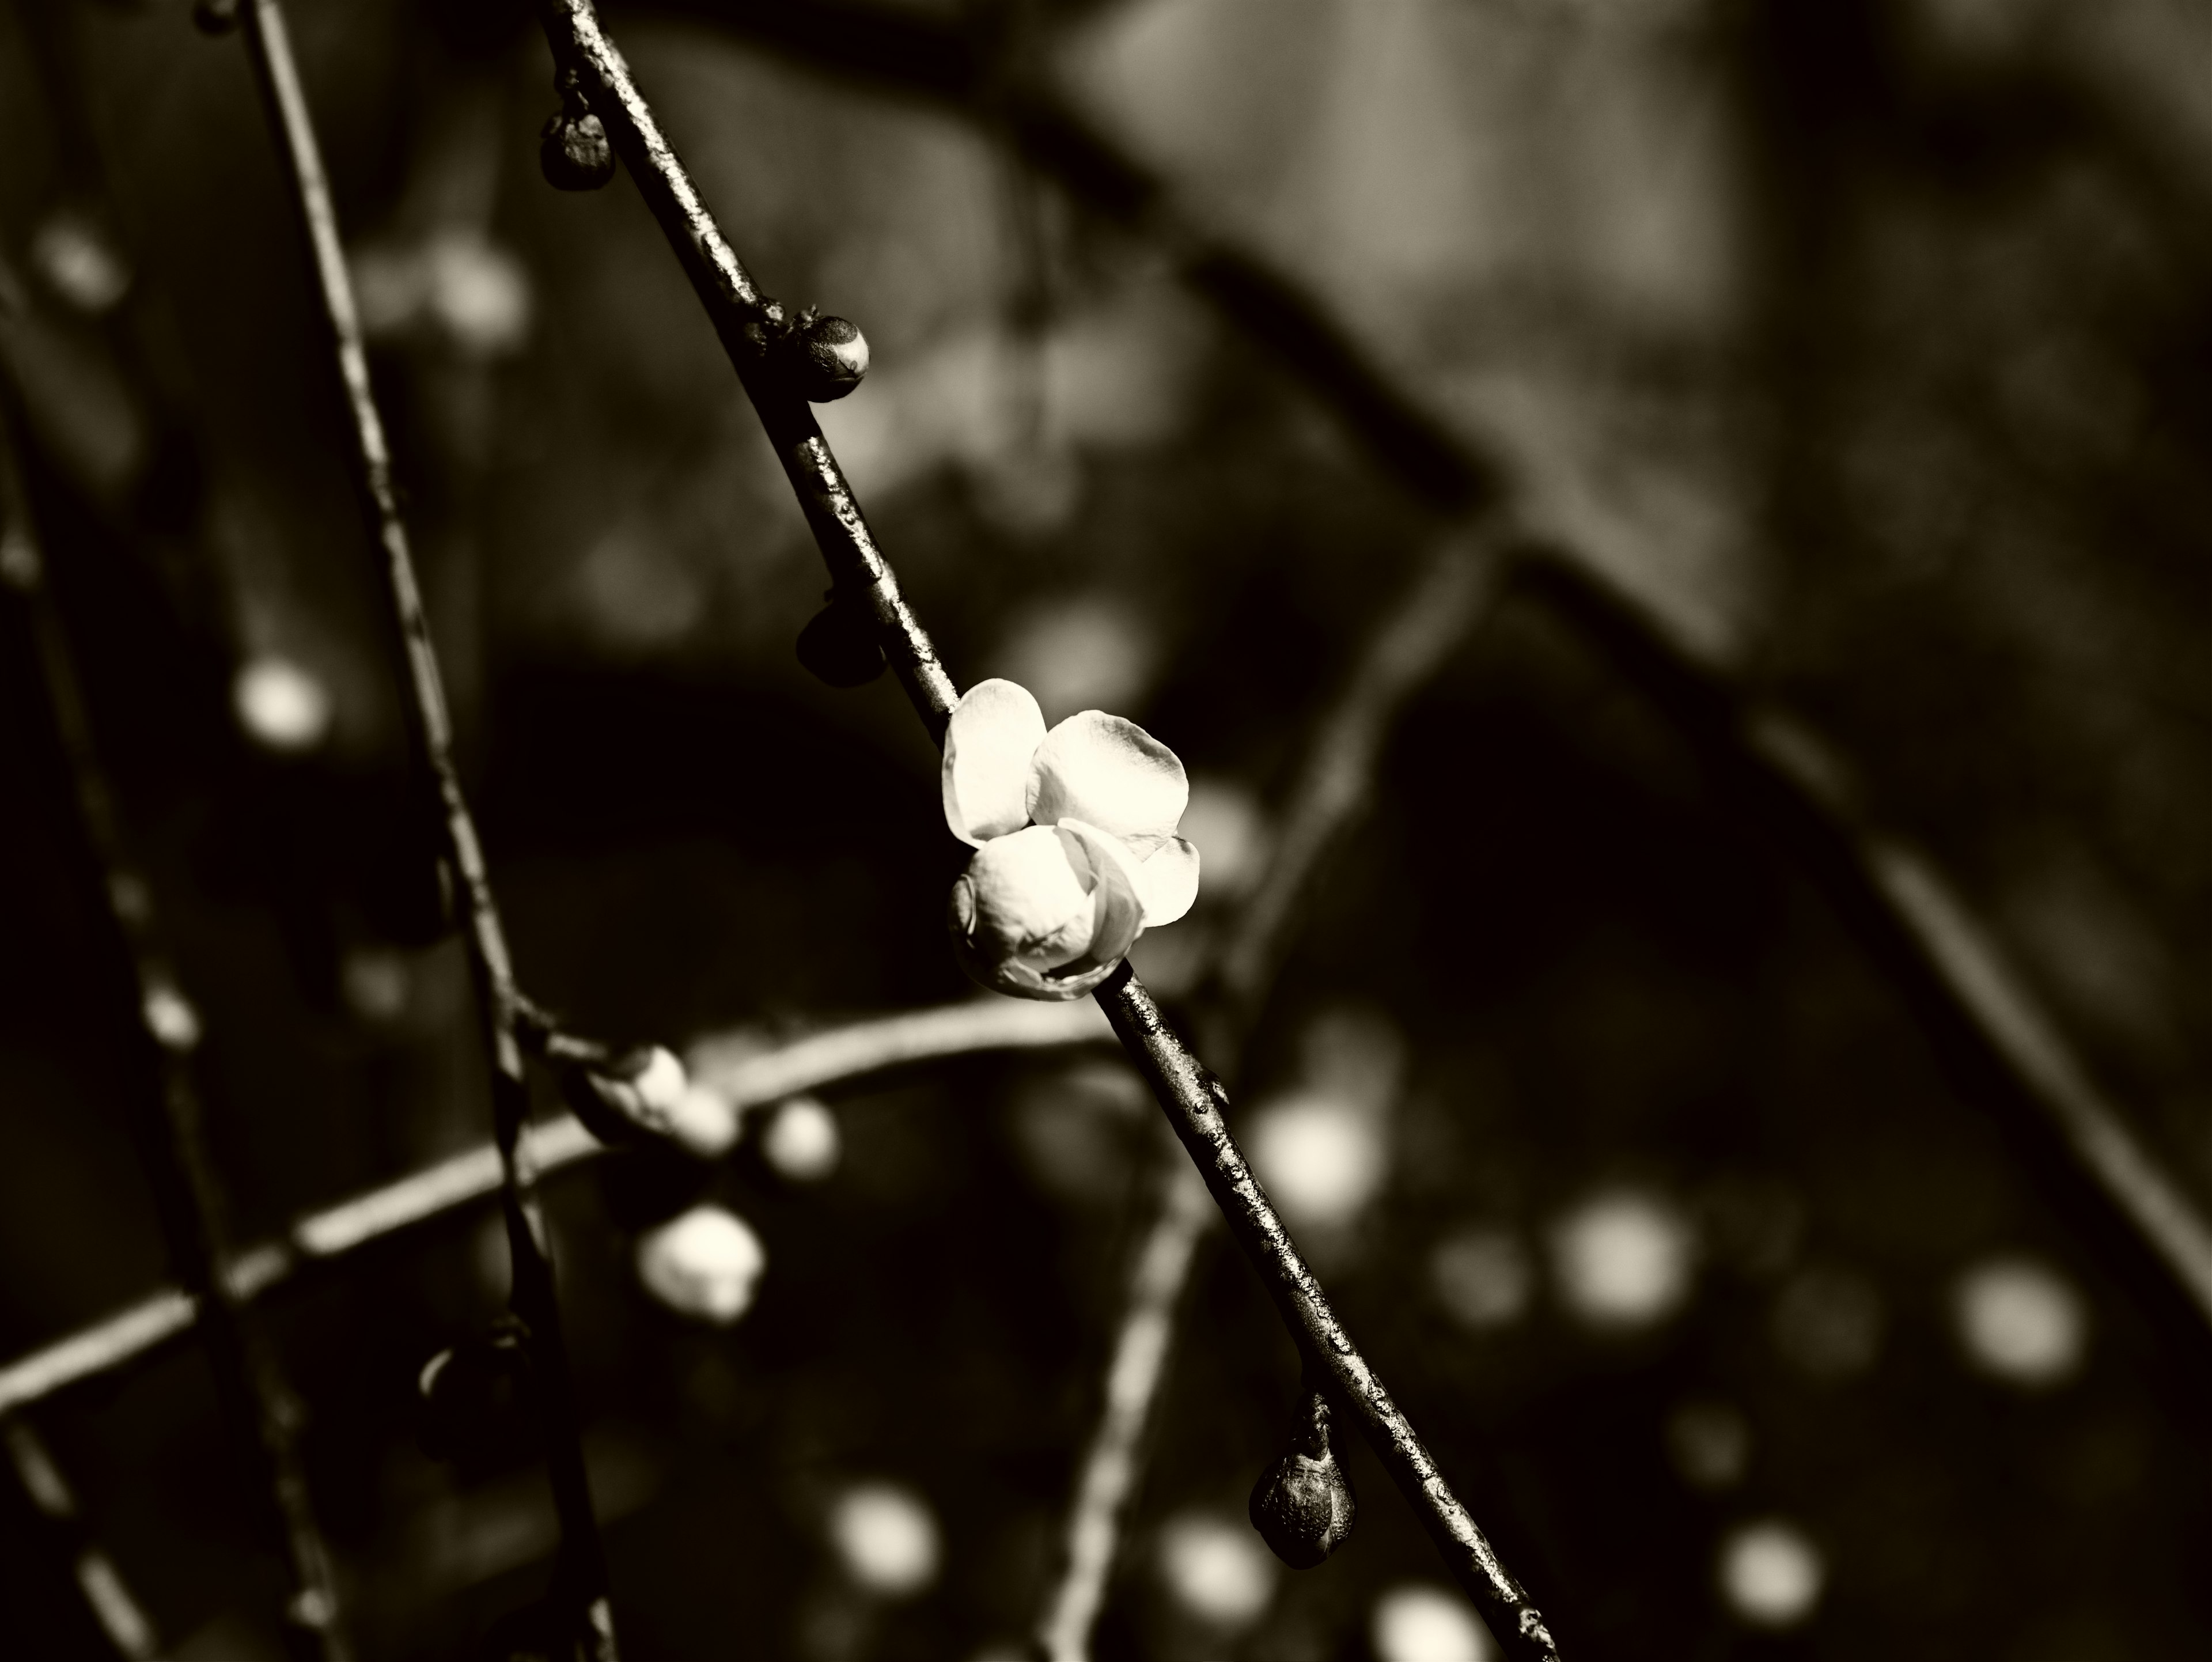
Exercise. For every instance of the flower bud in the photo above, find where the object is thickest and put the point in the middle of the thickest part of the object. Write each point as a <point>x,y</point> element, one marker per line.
<point>827,357</point>
<point>475,1396</point>
<point>573,152</point>
<point>214,16</point>
<point>800,1142</point>
<point>703,1264</point>
<point>1045,912</point>
<point>643,1093</point>
<point>838,646</point>
<point>1301,1505</point>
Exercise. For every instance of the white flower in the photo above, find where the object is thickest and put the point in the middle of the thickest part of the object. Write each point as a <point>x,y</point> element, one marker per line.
<point>1074,831</point>
<point>703,1263</point>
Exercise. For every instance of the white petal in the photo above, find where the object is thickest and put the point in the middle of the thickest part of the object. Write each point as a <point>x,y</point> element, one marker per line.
<point>1112,870</point>
<point>1025,900</point>
<point>1167,881</point>
<point>1109,773</point>
<point>995,729</point>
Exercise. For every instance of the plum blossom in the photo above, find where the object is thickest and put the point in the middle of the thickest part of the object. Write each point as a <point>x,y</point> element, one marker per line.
<point>1074,833</point>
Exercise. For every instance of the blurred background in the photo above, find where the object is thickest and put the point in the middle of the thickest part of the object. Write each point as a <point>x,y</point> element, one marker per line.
<point>1860,345</point>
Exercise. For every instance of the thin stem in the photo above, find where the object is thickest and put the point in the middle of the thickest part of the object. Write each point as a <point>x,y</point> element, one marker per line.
<point>106,1592</point>
<point>730,1065</point>
<point>1334,787</point>
<point>581,1581</point>
<point>1191,1096</point>
<point>168,1117</point>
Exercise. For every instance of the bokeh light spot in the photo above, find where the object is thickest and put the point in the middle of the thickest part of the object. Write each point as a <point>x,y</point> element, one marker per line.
<point>2020,1322</point>
<point>1622,1259</point>
<point>1423,1622</point>
<point>281,705</point>
<point>1321,1158</point>
<point>1770,1574</point>
<point>1482,1277</point>
<point>1217,1570</point>
<point>886,1537</point>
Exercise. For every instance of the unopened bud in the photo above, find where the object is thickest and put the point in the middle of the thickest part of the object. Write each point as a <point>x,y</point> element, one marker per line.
<point>214,16</point>
<point>573,152</point>
<point>704,1263</point>
<point>641,1093</point>
<point>475,1397</point>
<point>826,357</point>
<point>838,646</point>
<point>801,1141</point>
<point>1301,1505</point>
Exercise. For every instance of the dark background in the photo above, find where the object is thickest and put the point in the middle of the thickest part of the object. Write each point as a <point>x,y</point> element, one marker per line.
<point>1864,346</point>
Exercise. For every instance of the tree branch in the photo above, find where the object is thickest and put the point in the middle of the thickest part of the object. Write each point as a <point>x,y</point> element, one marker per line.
<point>168,1117</point>
<point>1191,1097</point>
<point>2018,1055</point>
<point>730,1065</point>
<point>581,1582</point>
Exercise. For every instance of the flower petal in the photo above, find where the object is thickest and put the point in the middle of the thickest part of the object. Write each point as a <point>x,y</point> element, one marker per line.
<point>1023,897</point>
<point>1167,880</point>
<point>1112,870</point>
<point>1109,773</point>
<point>995,730</point>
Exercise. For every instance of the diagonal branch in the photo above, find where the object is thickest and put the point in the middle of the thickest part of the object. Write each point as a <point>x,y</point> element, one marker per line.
<point>168,1117</point>
<point>1443,605</point>
<point>1192,1097</point>
<point>1957,977</point>
<point>743,1077</point>
<point>581,1580</point>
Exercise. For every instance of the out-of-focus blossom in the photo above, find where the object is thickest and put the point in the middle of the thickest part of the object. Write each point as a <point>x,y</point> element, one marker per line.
<point>887,1538</point>
<point>703,1263</point>
<point>1623,1259</point>
<point>1482,1277</point>
<point>457,284</point>
<point>1420,1622</point>
<point>1216,1570</point>
<point>801,1141</point>
<point>2021,1322</point>
<point>81,263</point>
<point>1074,831</point>
<point>282,706</point>
<point>1770,1574</point>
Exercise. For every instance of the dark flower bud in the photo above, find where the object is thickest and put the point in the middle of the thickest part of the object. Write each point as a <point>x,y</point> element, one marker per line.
<point>1301,1505</point>
<point>838,645</point>
<point>573,152</point>
<point>214,16</point>
<point>476,1396</point>
<point>827,357</point>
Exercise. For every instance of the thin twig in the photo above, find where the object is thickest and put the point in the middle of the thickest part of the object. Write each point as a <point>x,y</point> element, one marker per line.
<point>730,1065</point>
<point>1191,1097</point>
<point>1333,789</point>
<point>167,1116</point>
<point>109,1597</point>
<point>2036,1067</point>
<point>581,1582</point>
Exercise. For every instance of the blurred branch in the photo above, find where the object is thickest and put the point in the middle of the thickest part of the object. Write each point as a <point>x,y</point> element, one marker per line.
<point>168,1117</point>
<point>1956,976</point>
<point>581,1578</point>
<point>1448,597</point>
<point>749,325</point>
<point>106,1592</point>
<point>730,1065</point>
